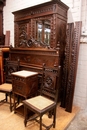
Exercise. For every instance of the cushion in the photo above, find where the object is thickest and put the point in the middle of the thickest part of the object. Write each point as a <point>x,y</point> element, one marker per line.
<point>6,87</point>
<point>40,102</point>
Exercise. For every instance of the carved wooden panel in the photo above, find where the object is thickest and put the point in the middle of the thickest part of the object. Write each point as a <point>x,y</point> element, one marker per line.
<point>70,64</point>
<point>21,34</point>
<point>36,57</point>
<point>25,86</point>
<point>70,31</point>
<point>25,22</point>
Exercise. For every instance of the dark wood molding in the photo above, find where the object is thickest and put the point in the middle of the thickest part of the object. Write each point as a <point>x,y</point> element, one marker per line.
<point>2,37</point>
<point>2,2</point>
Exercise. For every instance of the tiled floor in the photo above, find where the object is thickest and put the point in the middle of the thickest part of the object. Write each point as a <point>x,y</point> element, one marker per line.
<point>80,121</point>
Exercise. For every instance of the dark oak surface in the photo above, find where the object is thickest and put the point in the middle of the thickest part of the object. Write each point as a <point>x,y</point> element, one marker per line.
<point>4,54</point>
<point>33,53</point>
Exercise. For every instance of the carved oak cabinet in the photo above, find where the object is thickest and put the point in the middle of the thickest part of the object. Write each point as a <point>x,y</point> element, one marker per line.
<point>40,36</point>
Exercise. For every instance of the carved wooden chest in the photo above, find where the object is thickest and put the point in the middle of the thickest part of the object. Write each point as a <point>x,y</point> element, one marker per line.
<point>25,83</point>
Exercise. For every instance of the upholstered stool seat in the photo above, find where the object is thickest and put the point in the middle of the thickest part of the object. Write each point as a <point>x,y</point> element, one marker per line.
<point>6,87</point>
<point>40,102</point>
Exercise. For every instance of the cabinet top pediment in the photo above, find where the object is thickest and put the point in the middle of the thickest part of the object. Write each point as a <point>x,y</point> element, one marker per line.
<point>47,8</point>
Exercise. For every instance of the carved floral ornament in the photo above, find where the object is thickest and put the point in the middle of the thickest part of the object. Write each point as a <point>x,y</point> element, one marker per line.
<point>30,41</point>
<point>26,41</point>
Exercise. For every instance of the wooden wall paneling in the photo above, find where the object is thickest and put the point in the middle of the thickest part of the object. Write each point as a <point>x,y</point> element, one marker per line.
<point>70,64</point>
<point>73,66</point>
<point>69,32</point>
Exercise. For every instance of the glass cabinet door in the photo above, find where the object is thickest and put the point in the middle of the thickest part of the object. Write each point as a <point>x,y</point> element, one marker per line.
<point>47,32</point>
<point>43,31</point>
<point>39,31</point>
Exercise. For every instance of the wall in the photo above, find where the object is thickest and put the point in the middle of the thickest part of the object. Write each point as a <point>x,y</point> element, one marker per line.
<point>80,96</point>
<point>76,12</point>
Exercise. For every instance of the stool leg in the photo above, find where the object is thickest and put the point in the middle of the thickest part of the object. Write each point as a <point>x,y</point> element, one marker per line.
<point>40,122</point>
<point>25,116</point>
<point>54,118</point>
<point>10,103</point>
<point>14,103</point>
<point>6,95</point>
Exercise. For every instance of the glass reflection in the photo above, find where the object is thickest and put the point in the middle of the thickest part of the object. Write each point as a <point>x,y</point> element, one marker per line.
<point>44,31</point>
<point>47,33</point>
<point>39,32</point>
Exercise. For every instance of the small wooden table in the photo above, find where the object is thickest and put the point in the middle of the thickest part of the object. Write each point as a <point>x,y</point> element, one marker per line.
<point>24,84</point>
